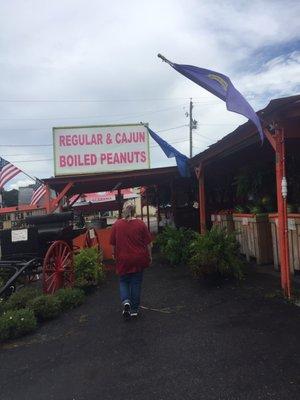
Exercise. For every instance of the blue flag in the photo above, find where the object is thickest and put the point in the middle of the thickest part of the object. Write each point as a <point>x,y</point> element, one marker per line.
<point>221,86</point>
<point>181,159</point>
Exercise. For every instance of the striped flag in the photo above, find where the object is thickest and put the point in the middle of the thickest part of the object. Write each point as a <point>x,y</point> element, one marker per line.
<point>7,172</point>
<point>39,189</point>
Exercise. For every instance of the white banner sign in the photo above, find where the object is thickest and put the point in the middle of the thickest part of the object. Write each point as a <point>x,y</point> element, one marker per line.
<point>96,149</point>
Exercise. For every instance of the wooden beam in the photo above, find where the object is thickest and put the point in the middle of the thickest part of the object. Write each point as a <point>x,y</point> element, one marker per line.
<point>54,203</point>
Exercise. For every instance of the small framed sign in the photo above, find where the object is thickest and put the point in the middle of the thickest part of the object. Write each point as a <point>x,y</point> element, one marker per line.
<point>20,235</point>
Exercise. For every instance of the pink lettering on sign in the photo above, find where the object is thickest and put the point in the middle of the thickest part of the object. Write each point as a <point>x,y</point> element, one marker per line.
<point>80,139</point>
<point>77,160</point>
<point>130,137</point>
<point>128,157</point>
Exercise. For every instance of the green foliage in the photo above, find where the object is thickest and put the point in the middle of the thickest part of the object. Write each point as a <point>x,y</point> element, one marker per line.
<point>21,298</point>
<point>216,252</point>
<point>89,270</point>
<point>15,323</point>
<point>45,307</point>
<point>69,298</point>
<point>175,243</point>
<point>254,187</point>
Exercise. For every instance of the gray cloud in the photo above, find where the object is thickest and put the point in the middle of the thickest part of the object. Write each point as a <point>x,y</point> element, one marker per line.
<point>77,50</point>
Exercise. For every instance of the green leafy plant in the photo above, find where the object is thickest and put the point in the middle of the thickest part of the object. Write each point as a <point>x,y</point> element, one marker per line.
<point>45,307</point>
<point>174,244</point>
<point>69,298</point>
<point>15,323</point>
<point>240,209</point>
<point>21,298</point>
<point>216,252</point>
<point>89,270</point>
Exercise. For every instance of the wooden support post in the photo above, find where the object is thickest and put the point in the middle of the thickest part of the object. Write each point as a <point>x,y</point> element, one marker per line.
<point>147,207</point>
<point>54,203</point>
<point>47,199</point>
<point>202,212</point>
<point>173,204</point>
<point>158,207</point>
<point>278,143</point>
<point>142,214</point>
<point>119,203</point>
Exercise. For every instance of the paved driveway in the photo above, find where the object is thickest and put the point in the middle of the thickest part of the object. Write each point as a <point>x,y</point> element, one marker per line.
<point>192,342</point>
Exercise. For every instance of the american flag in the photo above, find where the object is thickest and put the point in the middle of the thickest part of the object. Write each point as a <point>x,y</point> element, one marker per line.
<point>39,189</point>
<point>7,172</point>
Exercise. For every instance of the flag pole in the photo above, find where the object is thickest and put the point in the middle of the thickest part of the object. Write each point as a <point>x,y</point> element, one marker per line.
<point>34,179</point>
<point>163,58</point>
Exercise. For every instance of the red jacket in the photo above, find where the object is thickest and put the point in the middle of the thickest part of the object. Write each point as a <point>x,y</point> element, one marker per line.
<point>130,238</point>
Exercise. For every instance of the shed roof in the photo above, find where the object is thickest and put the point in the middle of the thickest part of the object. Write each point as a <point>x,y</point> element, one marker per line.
<point>112,181</point>
<point>246,134</point>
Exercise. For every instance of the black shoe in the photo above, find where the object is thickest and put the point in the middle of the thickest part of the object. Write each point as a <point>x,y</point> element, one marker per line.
<point>126,310</point>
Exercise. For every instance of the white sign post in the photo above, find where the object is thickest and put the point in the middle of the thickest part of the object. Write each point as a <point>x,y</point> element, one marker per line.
<point>95,149</point>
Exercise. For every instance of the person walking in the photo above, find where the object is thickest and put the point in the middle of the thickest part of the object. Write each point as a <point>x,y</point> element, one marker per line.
<point>131,249</point>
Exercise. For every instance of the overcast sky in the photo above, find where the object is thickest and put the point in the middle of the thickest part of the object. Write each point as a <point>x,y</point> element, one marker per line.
<point>90,62</point>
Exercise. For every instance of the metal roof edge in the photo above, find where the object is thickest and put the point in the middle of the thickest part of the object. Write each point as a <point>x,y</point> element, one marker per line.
<point>246,130</point>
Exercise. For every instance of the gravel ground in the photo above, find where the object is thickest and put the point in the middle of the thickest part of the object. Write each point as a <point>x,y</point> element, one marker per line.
<point>192,341</point>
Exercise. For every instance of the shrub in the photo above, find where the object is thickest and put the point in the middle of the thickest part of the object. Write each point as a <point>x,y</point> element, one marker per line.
<point>45,307</point>
<point>175,244</point>
<point>89,270</point>
<point>216,252</point>
<point>15,323</point>
<point>69,298</point>
<point>21,298</point>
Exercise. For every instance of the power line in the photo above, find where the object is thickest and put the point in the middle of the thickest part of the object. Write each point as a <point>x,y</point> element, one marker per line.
<point>25,145</point>
<point>170,129</point>
<point>20,155</point>
<point>96,100</point>
<point>93,116</point>
<point>44,129</point>
<point>23,161</point>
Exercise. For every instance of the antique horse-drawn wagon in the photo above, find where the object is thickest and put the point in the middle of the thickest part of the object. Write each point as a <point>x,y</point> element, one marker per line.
<point>44,247</point>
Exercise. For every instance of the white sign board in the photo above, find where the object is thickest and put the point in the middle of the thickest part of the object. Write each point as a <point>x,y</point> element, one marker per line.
<point>291,224</point>
<point>96,149</point>
<point>19,235</point>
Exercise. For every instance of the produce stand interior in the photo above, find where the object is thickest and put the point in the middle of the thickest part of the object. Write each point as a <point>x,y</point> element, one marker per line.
<point>242,178</point>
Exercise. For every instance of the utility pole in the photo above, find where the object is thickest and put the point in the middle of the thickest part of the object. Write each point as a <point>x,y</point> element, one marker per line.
<point>191,128</point>
<point>192,125</point>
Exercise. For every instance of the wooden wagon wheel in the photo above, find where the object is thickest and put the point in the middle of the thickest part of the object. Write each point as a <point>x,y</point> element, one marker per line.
<point>91,239</point>
<point>58,267</point>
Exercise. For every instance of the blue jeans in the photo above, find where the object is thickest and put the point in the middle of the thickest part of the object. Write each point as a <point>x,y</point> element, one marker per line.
<point>130,289</point>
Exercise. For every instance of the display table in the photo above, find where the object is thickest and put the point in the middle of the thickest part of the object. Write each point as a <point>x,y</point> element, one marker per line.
<point>103,237</point>
<point>254,235</point>
<point>223,220</point>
